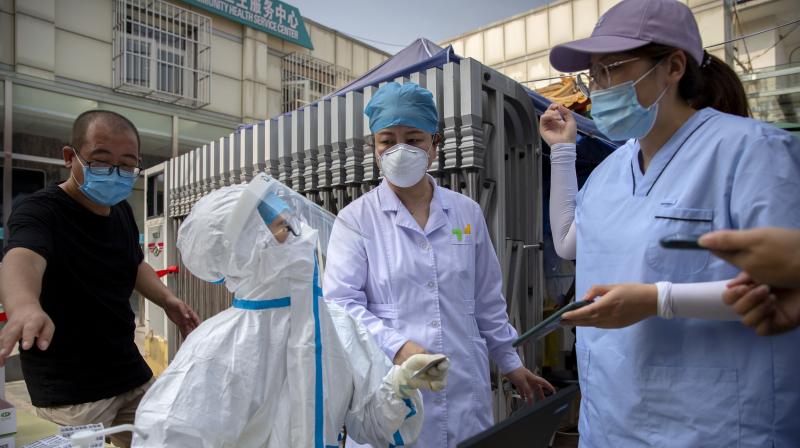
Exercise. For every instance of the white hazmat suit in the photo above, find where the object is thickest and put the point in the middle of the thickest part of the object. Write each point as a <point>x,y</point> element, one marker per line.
<point>280,368</point>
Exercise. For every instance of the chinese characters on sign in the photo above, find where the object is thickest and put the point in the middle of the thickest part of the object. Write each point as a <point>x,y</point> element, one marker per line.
<point>271,16</point>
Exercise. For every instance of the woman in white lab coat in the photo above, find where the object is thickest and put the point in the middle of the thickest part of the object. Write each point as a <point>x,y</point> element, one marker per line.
<point>423,276</point>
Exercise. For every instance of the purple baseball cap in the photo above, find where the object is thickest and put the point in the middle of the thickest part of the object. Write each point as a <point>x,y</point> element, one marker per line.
<point>632,24</point>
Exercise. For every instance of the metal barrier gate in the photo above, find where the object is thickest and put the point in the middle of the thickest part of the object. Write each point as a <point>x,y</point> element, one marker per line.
<point>491,152</point>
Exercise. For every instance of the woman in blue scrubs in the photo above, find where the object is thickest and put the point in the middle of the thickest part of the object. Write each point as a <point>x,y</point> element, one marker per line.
<point>687,167</point>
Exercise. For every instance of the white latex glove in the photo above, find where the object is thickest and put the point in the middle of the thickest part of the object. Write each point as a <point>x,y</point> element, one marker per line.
<point>404,382</point>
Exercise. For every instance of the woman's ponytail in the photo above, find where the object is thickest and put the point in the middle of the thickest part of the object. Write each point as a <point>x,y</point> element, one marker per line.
<point>710,84</point>
<point>713,84</point>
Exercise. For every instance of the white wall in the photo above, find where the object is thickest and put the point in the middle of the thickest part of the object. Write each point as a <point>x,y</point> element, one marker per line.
<point>34,37</point>
<point>324,43</point>
<point>246,61</point>
<point>514,38</point>
<point>521,44</point>
<point>7,32</point>
<point>83,58</point>
<point>90,18</point>
<point>83,41</point>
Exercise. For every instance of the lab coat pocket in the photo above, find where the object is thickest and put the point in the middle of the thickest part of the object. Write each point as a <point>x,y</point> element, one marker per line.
<point>471,322</point>
<point>462,266</point>
<point>483,392</point>
<point>668,221</point>
<point>690,406</point>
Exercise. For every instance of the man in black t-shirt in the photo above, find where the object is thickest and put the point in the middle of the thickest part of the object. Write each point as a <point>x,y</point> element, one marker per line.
<point>71,263</point>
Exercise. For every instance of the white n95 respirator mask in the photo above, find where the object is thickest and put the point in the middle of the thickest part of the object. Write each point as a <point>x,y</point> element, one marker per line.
<point>404,165</point>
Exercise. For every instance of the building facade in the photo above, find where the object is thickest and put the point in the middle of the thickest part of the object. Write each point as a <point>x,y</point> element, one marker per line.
<point>185,73</point>
<point>768,62</point>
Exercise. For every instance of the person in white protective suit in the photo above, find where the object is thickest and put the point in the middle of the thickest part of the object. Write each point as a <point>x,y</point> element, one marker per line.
<point>281,367</point>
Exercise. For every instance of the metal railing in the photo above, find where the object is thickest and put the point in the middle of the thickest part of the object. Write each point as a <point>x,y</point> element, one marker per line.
<point>774,93</point>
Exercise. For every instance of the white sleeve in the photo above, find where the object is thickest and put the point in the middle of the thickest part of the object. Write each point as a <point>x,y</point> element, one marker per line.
<point>376,415</point>
<point>384,418</point>
<point>563,189</point>
<point>694,300</point>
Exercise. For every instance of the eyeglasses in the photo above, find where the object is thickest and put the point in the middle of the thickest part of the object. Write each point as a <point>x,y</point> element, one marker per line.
<point>599,75</point>
<point>105,168</point>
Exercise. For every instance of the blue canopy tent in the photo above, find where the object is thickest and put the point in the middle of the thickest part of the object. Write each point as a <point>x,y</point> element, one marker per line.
<point>422,54</point>
<point>419,56</point>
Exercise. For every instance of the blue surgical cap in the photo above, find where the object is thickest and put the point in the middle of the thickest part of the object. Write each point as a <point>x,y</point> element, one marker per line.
<point>402,105</point>
<point>270,207</point>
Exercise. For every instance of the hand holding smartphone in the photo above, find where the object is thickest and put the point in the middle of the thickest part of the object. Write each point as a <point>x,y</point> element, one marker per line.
<point>551,323</point>
<point>438,359</point>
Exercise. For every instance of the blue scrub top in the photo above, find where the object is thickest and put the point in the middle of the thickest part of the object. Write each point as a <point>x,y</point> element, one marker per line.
<point>686,382</point>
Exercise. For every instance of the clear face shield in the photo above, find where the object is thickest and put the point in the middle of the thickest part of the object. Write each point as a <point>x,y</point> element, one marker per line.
<point>279,217</point>
<point>284,215</point>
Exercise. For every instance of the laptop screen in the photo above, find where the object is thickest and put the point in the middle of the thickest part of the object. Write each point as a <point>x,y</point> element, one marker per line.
<point>532,426</point>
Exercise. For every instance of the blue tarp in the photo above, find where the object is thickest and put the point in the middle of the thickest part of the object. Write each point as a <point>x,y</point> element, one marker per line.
<point>419,56</point>
<point>423,54</point>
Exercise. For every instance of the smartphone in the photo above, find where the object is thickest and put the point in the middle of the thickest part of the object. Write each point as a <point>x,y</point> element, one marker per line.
<point>433,363</point>
<point>551,323</point>
<point>681,241</point>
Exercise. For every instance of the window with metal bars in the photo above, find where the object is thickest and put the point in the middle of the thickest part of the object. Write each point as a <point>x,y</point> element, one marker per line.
<point>306,79</point>
<point>162,51</point>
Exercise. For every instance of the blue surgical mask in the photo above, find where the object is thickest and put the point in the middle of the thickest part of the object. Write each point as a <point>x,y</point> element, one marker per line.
<point>618,114</point>
<point>105,189</point>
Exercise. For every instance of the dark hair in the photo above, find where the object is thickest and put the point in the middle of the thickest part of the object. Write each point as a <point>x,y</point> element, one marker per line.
<point>710,84</point>
<point>114,120</point>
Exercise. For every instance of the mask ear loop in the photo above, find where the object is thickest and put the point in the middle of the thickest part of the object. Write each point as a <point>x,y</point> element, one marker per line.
<point>648,72</point>
<point>75,152</point>
<point>663,92</point>
<point>75,156</point>
<point>435,144</point>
